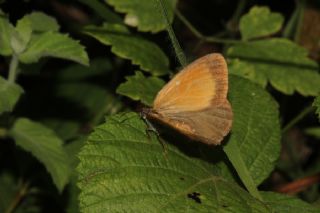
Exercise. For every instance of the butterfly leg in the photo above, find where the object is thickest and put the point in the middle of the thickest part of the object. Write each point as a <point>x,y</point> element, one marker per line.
<point>151,128</point>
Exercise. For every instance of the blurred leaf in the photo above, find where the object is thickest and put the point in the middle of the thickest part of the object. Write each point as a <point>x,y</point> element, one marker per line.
<point>77,72</point>
<point>280,203</point>
<point>55,45</point>
<point>65,129</point>
<point>102,10</point>
<point>6,30</point>
<point>146,15</point>
<point>313,131</point>
<point>10,94</point>
<point>254,144</point>
<point>278,61</point>
<point>140,51</point>
<point>93,98</point>
<point>43,143</point>
<point>260,22</point>
<point>141,88</point>
<point>21,35</point>
<point>41,22</point>
<point>8,189</point>
<point>316,103</point>
<point>241,68</point>
<point>123,170</point>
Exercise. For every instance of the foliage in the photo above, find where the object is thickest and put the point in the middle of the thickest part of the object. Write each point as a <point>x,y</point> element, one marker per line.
<point>69,128</point>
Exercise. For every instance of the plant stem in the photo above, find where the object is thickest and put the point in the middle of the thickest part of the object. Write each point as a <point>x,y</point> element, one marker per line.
<point>175,43</point>
<point>19,196</point>
<point>13,68</point>
<point>301,7</point>
<point>199,35</point>
<point>298,118</point>
<point>238,12</point>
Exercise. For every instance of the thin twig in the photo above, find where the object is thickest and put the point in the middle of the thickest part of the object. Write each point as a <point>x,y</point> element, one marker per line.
<point>298,185</point>
<point>202,37</point>
<point>298,118</point>
<point>19,196</point>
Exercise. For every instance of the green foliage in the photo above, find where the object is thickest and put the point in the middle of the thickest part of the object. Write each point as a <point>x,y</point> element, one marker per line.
<point>122,169</point>
<point>31,41</point>
<point>141,88</point>
<point>45,146</point>
<point>316,103</point>
<point>279,61</point>
<point>6,30</point>
<point>140,51</point>
<point>144,14</point>
<point>54,45</point>
<point>254,144</point>
<point>9,93</point>
<point>260,21</point>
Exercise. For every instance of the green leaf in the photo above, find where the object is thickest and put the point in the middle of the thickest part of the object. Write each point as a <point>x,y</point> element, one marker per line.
<point>141,88</point>
<point>6,30</point>
<point>10,94</point>
<point>146,15</point>
<point>140,51</point>
<point>280,203</point>
<point>123,170</point>
<point>260,22</point>
<point>278,61</point>
<point>55,45</point>
<point>41,22</point>
<point>43,143</point>
<point>254,144</point>
<point>21,35</point>
<point>316,104</point>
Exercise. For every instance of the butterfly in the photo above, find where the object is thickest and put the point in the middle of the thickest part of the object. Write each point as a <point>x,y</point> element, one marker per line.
<point>194,101</point>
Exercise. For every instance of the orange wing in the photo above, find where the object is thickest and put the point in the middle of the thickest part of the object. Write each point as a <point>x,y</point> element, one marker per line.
<point>195,100</point>
<point>195,87</point>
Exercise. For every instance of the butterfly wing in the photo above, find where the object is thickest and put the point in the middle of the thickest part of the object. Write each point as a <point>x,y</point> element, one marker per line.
<point>195,100</point>
<point>195,87</point>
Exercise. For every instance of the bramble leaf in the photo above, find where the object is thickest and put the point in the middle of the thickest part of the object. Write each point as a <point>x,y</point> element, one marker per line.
<point>125,45</point>
<point>260,22</point>
<point>10,94</point>
<point>146,15</point>
<point>278,61</point>
<point>254,143</point>
<point>122,169</point>
<point>141,88</point>
<point>43,143</point>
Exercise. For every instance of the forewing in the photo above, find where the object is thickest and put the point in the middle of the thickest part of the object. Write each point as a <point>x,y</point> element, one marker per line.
<point>195,87</point>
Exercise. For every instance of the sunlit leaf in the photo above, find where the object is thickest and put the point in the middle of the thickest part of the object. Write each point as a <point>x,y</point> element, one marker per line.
<point>282,63</point>
<point>146,15</point>
<point>122,169</point>
<point>260,22</point>
<point>141,88</point>
<point>140,51</point>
